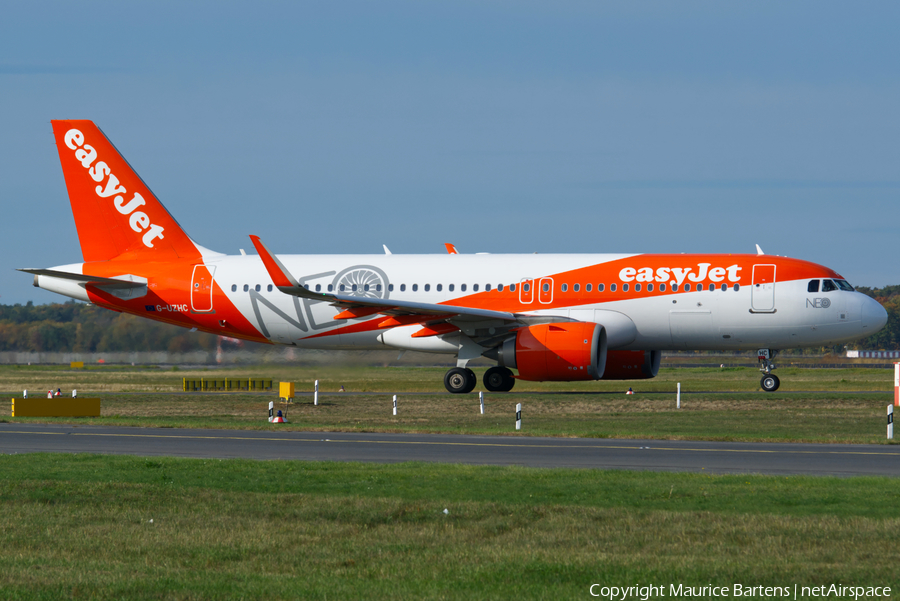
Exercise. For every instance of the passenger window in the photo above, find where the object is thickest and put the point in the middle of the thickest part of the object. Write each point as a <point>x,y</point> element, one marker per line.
<point>813,286</point>
<point>674,287</point>
<point>451,287</point>
<point>828,286</point>
<point>587,288</point>
<point>318,288</point>
<point>699,287</point>
<point>526,287</point>
<point>378,287</point>
<point>402,287</point>
<point>353,287</point>
<point>624,287</point>
<point>662,287</point>
<point>724,287</point>
<point>512,287</point>
<point>246,288</point>
<point>487,287</point>
<point>269,288</point>
<point>366,287</point>
<point>415,287</point>
<point>576,287</point>
<point>649,287</point>
<point>427,287</point>
<point>390,287</point>
<point>341,288</point>
<point>474,287</point>
<point>737,287</point>
<point>257,287</point>
<point>565,287</point>
<point>500,287</point>
<point>462,287</point>
<point>440,287</point>
<point>712,287</point>
<point>234,287</point>
<point>637,287</point>
<point>602,287</point>
<point>546,287</point>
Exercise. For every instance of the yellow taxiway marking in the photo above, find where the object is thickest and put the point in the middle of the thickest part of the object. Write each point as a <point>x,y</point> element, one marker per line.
<point>464,444</point>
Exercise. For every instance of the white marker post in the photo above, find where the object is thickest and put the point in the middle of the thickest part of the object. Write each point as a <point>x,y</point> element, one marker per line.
<point>24,394</point>
<point>481,401</point>
<point>890,422</point>
<point>316,394</point>
<point>678,397</point>
<point>518,416</point>
<point>271,410</point>
<point>395,404</point>
<point>74,394</point>
<point>896,384</point>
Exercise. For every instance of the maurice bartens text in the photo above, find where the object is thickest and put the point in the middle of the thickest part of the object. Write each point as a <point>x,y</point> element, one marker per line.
<point>794,591</point>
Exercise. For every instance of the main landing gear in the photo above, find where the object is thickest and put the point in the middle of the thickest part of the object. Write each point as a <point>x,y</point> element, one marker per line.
<point>461,380</point>
<point>499,379</point>
<point>769,381</point>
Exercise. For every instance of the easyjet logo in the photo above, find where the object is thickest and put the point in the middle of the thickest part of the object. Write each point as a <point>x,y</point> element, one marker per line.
<point>138,220</point>
<point>677,275</point>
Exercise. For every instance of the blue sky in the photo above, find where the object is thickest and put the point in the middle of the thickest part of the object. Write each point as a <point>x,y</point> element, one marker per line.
<point>333,127</point>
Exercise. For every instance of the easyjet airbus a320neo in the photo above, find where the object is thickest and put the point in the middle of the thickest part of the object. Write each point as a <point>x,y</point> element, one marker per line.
<point>548,317</point>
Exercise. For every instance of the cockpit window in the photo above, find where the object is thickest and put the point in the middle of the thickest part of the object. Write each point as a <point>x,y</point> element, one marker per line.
<point>813,286</point>
<point>844,285</point>
<point>828,286</point>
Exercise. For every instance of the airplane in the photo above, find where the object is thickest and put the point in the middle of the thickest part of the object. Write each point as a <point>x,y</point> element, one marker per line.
<point>549,317</point>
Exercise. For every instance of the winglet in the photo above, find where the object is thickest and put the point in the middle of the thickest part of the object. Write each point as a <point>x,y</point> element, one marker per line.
<point>281,277</point>
<point>450,248</point>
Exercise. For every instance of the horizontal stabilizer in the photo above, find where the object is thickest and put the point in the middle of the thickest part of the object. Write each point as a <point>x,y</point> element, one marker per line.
<point>112,283</point>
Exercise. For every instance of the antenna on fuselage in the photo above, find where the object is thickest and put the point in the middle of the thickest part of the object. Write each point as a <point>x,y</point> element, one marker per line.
<point>759,251</point>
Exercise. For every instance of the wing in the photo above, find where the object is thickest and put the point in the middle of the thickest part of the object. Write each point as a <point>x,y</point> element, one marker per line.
<point>356,307</point>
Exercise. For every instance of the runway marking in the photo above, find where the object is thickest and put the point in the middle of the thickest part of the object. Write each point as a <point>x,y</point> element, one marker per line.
<point>464,444</point>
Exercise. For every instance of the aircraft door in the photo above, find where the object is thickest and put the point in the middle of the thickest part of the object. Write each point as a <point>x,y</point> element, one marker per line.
<point>545,294</point>
<point>202,289</point>
<point>762,292</point>
<point>526,291</point>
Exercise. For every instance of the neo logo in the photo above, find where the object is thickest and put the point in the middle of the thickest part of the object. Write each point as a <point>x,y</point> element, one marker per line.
<point>818,303</point>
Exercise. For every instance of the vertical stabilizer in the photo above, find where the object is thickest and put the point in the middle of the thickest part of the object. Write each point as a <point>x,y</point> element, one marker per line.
<point>115,212</point>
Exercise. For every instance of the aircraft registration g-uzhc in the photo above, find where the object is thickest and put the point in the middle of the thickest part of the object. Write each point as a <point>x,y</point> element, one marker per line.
<point>549,317</point>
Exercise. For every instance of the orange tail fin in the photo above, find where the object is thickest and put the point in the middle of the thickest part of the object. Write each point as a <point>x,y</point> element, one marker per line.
<point>115,212</point>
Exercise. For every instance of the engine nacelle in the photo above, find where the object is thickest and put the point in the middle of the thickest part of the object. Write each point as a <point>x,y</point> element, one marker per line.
<point>555,352</point>
<point>632,365</point>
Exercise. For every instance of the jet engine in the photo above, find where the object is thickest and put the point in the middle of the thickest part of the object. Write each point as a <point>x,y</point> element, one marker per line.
<point>632,365</point>
<point>555,352</point>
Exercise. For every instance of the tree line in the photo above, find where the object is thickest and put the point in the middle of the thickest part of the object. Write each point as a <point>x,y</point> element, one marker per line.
<point>81,327</point>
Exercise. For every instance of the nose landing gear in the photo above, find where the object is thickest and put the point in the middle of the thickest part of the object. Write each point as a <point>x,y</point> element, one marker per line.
<point>769,381</point>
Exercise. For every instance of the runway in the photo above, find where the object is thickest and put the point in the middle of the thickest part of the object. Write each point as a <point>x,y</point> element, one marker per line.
<point>680,456</point>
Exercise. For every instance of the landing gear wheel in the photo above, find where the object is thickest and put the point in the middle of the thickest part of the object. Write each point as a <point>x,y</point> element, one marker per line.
<point>499,379</point>
<point>460,380</point>
<point>770,383</point>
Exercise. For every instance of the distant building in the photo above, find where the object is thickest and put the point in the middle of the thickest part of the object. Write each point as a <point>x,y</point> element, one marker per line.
<point>873,354</point>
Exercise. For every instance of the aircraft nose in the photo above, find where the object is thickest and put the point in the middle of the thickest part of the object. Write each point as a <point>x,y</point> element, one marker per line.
<point>873,316</point>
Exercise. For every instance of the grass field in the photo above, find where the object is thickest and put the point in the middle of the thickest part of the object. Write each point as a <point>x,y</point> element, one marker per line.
<point>98,527</point>
<point>88,527</point>
<point>813,405</point>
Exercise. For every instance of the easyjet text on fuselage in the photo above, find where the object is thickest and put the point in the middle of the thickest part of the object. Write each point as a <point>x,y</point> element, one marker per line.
<point>677,275</point>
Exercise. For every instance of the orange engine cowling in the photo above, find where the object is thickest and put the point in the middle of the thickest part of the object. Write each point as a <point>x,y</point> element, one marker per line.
<point>555,352</point>
<point>632,365</point>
